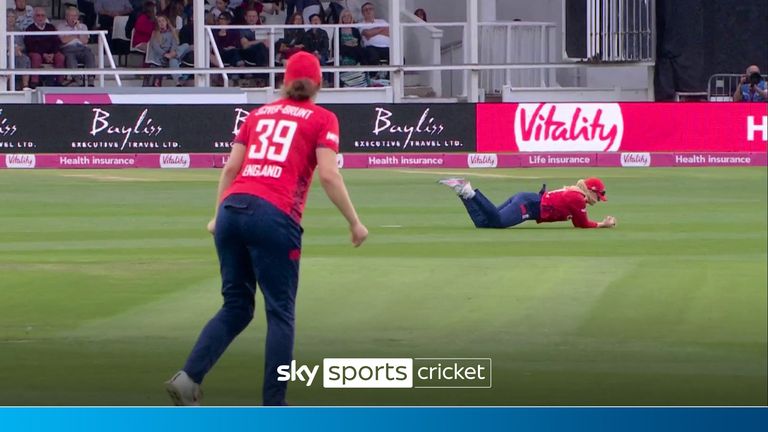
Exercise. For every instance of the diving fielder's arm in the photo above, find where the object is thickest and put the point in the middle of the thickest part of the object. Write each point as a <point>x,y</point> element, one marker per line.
<point>581,220</point>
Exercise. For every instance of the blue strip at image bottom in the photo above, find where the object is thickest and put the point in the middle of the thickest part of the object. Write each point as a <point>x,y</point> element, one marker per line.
<point>286,419</point>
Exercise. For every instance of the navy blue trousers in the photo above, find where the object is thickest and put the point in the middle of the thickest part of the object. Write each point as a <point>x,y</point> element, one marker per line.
<point>516,210</point>
<point>255,242</point>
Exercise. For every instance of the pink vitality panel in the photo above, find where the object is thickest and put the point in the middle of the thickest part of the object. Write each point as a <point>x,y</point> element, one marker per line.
<point>552,160</point>
<point>108,161</point>
<point>401,161</point>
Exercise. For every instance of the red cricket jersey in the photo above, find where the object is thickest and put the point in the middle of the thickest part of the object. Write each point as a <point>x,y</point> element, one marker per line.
<point>281,139</point>
<point>563,204</point>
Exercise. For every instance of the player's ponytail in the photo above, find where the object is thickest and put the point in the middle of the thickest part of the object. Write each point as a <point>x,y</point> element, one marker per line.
<point>581,186</point>
<point>300,90</point>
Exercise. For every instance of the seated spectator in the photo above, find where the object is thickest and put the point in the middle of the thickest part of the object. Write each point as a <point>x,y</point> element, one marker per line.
<point>333,14</point>
<point>421,13</point>
<point>290,9</point>
<point>145,26</point>
<point>187,37</point>
<point>253,50</point>
<point>222,6</point>
<point>353,6</point>
<point>20,59</point>
<point>228,42</point>
<point>74,47</point>
<point>752,87</point>
<point>89,10</point>
<point>352,52</point>
<point>307,8</point>
<point>241,10</point>
<point>108,10</point>
<point>375,34</point>
<point>185,53</point>
<point>43,49</point>
<point>350,42</point>
<point>316,40</point>
<point>292,42</point>
<point>25,16</point>
<point>162,47</point>
<point>272,7</point>
<point>175,13</point>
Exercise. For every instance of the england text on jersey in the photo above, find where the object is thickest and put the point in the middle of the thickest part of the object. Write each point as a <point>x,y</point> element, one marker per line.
<point>258,170</point>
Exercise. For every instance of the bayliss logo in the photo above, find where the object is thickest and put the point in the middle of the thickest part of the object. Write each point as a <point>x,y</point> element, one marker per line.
<point>142,126</point>
<point>6,127</point>
<point>240,116</point>
<point>174,160</point>
<point>426,125</point>
<point>20,160</point>
<point>547,127</point>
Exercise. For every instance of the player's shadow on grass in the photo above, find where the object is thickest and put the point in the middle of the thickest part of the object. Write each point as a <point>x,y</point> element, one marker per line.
<point>519,228</point>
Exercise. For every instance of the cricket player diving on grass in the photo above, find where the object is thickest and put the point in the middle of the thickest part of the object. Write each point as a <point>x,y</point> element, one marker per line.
<point>261,197</point>
<point>568,203</point>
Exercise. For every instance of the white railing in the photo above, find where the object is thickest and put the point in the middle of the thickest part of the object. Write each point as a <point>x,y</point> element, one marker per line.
<point>438,31</point>
<point>206,72</point>
<point>102,53</point>
<point>512,42</point>
<point>272,32</point>
<point>211,48</point>
<point>501,66</point>
<point>508,42</point>
<point>722,87</point>
<point>451,54</point>
<point>419,51</point>
<point>620,30</point>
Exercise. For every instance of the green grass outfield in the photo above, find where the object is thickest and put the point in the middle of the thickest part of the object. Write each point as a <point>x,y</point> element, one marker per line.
<point>106,278</point>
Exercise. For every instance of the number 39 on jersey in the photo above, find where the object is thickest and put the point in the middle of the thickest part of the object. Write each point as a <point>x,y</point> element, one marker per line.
<point>272,145</point>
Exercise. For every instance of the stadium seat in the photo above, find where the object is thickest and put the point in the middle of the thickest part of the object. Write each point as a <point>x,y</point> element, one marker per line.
<point>121,42</point>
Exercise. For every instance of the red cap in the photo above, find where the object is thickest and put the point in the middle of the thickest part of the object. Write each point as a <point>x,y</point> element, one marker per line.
<point>596,185</point>
<point>303,65</point>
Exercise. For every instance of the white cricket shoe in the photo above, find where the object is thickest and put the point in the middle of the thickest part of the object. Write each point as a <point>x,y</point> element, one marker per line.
<point>459,185</point>
<point>183,391</point>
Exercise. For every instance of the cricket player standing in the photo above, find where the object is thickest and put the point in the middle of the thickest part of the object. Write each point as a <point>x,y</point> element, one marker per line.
<point>567,203</point>
<point>262,192</point>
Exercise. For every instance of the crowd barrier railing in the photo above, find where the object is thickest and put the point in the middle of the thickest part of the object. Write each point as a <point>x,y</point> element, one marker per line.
<point>721,87</point>
<point>103,57</point>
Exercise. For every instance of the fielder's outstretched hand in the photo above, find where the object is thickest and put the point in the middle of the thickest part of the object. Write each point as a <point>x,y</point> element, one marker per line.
<point>359,233</point>
<point>212,226</point>
<point>610,222</point>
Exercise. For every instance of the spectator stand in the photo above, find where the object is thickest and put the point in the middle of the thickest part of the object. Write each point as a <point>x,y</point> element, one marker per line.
<point>456,75</point>
<point>273,33</point>
<point>122,42</point>
<point>103,52</point>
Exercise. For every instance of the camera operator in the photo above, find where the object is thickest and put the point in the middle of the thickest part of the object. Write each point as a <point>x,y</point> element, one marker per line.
<point>752,87</point>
